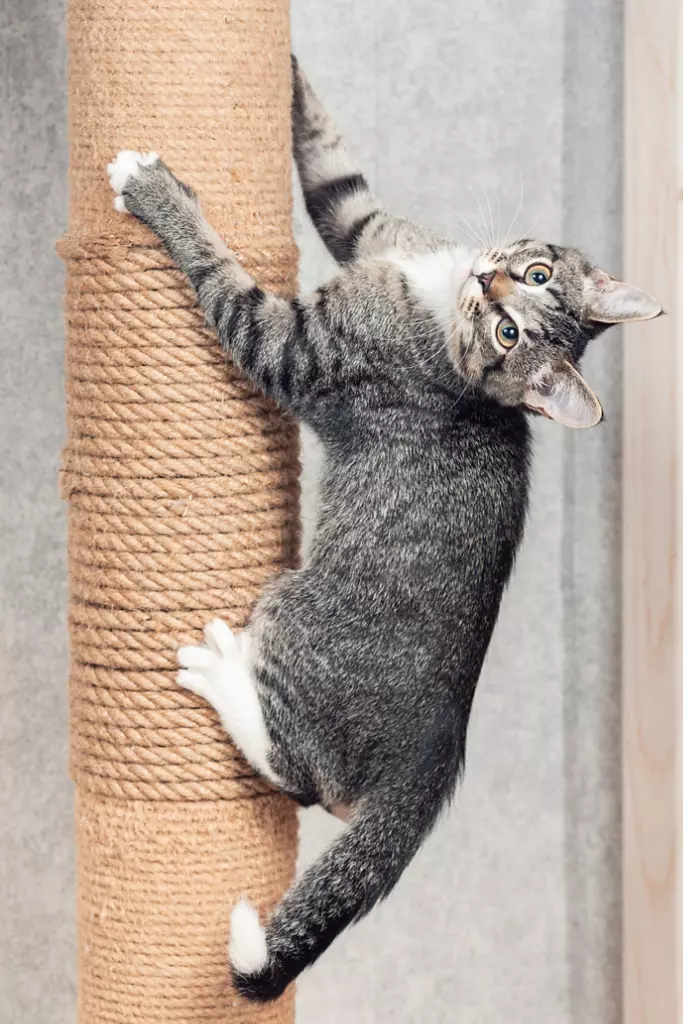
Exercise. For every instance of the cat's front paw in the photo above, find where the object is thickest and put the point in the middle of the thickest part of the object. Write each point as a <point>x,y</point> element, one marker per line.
<point>127,165</point>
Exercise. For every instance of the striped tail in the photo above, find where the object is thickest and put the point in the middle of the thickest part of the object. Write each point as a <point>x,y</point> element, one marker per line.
<point>358,870</point>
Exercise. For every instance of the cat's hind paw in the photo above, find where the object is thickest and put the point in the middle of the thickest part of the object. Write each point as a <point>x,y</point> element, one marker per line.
<point>209,670</point>
<point>221,639</point>
<point>221,673</point>
<point>203,672</point>
<point>127,165</point>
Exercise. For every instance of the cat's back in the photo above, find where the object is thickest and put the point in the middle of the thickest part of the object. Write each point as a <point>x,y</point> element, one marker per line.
<point>417,500</point>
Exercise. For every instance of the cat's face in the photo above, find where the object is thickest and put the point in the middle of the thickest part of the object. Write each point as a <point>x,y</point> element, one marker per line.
<point>523,318</point>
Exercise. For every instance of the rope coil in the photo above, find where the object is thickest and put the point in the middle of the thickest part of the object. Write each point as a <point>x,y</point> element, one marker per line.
<point>173,477</point>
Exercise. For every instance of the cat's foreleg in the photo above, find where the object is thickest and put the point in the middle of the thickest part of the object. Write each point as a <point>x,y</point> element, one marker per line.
<point>221,673</point>
<point>339,202</point>
<point>268,337</point>
<point>349,219</point>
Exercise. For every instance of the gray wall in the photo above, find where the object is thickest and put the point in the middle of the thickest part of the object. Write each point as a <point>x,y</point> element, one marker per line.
<point>36,870</point>
<point>511,910</point>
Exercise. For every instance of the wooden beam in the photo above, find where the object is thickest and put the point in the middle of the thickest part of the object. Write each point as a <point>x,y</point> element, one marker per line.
<point>652,481</point>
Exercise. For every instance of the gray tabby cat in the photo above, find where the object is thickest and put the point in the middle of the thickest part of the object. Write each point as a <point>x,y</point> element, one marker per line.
<point>416,367</point>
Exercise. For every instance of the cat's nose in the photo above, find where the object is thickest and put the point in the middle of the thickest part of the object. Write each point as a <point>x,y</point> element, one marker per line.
<point>486,280</point>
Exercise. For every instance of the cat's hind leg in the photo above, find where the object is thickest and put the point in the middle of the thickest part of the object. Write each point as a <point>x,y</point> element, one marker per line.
<point>221,672</point>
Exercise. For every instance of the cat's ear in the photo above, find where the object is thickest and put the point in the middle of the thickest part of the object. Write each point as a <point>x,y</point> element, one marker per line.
<point>610,301</point>
<point>561,394</point>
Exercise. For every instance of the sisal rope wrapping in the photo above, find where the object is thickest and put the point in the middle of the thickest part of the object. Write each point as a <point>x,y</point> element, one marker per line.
<point>182,484</point>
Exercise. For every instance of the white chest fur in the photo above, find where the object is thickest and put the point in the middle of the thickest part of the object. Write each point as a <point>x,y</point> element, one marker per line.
<point>435,278</point>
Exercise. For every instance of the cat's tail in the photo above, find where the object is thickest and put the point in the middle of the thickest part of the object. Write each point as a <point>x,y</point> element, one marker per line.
<point>357,871</point>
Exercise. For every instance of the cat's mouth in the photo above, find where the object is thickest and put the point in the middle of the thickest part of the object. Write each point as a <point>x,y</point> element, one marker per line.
<point>471,293</point>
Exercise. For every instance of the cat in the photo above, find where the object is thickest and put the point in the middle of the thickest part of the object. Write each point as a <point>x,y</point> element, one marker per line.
<point>416,367</point>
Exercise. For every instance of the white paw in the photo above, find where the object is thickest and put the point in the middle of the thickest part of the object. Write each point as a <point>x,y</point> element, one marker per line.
<point>127,165</point>
<point>212,671</point>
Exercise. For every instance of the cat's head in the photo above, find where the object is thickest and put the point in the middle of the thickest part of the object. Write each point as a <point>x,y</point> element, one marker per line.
<point>523,318</point>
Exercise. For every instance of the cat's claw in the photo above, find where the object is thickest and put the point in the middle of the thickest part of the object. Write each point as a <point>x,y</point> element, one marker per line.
<point>126,166</point>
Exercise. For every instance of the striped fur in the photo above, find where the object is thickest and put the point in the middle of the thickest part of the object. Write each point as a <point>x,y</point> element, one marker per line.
<point>347,216</point>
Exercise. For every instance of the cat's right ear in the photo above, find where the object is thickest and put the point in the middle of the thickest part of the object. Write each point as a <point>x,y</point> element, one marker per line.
<point>561,394</point>
<point>610,301</point>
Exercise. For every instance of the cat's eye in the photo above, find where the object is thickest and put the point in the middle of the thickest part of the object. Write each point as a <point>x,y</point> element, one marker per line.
<point>507,332</point>
<point>538,274</point>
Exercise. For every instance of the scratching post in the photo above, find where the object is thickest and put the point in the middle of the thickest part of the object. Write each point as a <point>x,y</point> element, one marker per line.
<point>183,501</point>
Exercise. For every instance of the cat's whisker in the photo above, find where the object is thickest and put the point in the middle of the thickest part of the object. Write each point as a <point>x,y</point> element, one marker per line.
<point>468,235</point>
<point>519,206</point>
<point>458,362</point>
<point>530,232</point>
<point>474,234</point>
<point>434,355</point>
<point>441,348</point>
<point>483,220</point>
<point>427,320</point>
<point>481,242</point>
<point>488,203</point>
<point>465,351</point>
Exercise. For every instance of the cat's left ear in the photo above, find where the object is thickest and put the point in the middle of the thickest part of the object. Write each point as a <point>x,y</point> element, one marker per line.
<point>561,394</point>
<point>610,301</point>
